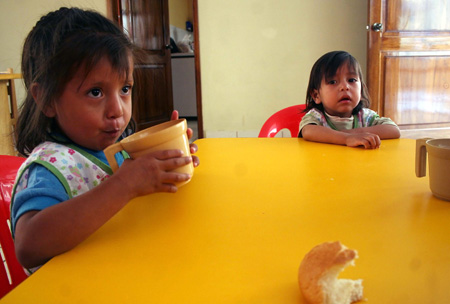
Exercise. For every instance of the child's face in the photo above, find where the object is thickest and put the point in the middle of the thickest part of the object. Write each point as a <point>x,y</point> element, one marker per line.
<point>341,94</point>
<point>94,111</point>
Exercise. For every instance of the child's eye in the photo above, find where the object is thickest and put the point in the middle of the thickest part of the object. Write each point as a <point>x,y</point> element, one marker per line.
<point>332,82</point>
<point>95,93</point>
<point>126,89</point>
<point>353,80</point>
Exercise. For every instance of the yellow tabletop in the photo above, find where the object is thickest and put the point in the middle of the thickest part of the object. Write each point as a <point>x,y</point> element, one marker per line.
<point>239,230</point>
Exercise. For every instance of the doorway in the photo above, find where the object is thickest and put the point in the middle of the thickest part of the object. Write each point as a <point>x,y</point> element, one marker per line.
<point>147,24</point>
<point>183,61</point>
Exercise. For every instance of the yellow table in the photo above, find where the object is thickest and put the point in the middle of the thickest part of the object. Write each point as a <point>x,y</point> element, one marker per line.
<point>239,230</point>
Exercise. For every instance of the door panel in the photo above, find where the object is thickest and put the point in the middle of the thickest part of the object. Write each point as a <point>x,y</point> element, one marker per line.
<point>147,24</point>
<point>148,94</point>
<point>144,21</point>
<point>413,15</point>
<point>416,92</point>
<point>409,62</point>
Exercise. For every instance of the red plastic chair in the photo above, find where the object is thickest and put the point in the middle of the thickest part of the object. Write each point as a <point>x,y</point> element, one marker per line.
<point>11,272</point>
<point>287,118</point>
<point>8,170</point>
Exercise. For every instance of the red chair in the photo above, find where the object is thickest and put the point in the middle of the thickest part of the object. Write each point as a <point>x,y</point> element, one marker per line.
<point>11,272</point>
<point>8,170</point>
<point>287,118</point>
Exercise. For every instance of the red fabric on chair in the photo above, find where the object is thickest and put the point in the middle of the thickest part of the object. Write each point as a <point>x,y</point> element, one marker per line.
<point>8,171</point>
<point>287,118</point>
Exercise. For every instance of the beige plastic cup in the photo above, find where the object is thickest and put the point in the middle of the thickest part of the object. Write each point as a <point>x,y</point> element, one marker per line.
<point>165,136</point>
<point>439,164</point>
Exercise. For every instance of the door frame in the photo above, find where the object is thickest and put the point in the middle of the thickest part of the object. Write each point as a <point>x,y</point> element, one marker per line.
<point>373,56</point>
<point>198,78</point>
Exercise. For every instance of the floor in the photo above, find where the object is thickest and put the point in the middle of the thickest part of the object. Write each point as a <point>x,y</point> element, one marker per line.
<point>423,133</point>
<point>414,134</point>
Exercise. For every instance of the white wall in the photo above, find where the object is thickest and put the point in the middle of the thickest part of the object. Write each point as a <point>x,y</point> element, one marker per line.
<point>256,55</point>
<point>17,18</point>
<point>180,11</point>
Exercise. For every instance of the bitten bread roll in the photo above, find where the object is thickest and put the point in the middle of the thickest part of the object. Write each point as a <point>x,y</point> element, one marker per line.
<point>318,272</point>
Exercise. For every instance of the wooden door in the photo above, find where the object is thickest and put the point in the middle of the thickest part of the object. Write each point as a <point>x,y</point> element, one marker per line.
<point>147,24</point>
<point>409,61</point>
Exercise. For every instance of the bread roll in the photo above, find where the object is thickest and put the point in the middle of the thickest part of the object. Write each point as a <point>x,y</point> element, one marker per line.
<point>318,272</point>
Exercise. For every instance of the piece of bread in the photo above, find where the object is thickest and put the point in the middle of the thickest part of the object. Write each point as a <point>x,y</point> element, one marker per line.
<point>318,272</point>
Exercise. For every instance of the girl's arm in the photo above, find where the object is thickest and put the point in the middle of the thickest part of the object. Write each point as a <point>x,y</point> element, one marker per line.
<point>385,131</point>
<point>41,235</point>
<point>327,135</point>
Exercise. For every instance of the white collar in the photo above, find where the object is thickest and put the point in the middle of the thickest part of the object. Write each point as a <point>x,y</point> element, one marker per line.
<point>339,119</point>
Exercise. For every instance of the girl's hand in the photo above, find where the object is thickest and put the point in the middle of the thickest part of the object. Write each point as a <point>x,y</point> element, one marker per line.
<point>193,147</point>
<point>367,140</point>
<point>152,172</point>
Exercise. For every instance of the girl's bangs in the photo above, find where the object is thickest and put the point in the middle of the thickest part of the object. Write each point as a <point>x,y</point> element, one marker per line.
<point>118,54</point>
<point>331,67</point>
<point>85,50</point>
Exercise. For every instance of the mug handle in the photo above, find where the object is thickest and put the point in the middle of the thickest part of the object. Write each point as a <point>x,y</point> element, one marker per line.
<point>110,152</point>
<point>421,157</point>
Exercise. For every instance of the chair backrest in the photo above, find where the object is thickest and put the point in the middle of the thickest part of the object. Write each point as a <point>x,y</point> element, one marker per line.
<point>287,118</point>
<point>11,272</point>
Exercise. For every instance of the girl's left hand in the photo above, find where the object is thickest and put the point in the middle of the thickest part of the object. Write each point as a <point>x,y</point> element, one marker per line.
<point>193,147</point>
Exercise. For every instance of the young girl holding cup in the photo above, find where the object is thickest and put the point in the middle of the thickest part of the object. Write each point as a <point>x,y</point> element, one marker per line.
<point>78,71</point>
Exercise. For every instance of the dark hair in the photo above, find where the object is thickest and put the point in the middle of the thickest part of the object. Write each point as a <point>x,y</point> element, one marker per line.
<point>326,67</point>
<point>59,44</point>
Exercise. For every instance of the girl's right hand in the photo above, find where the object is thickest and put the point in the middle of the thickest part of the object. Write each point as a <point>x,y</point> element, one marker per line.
<point>367,140</point>
<point>151,173</point>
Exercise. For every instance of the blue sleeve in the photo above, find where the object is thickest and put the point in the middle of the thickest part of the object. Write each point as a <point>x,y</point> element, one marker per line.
<point>43,190</point>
